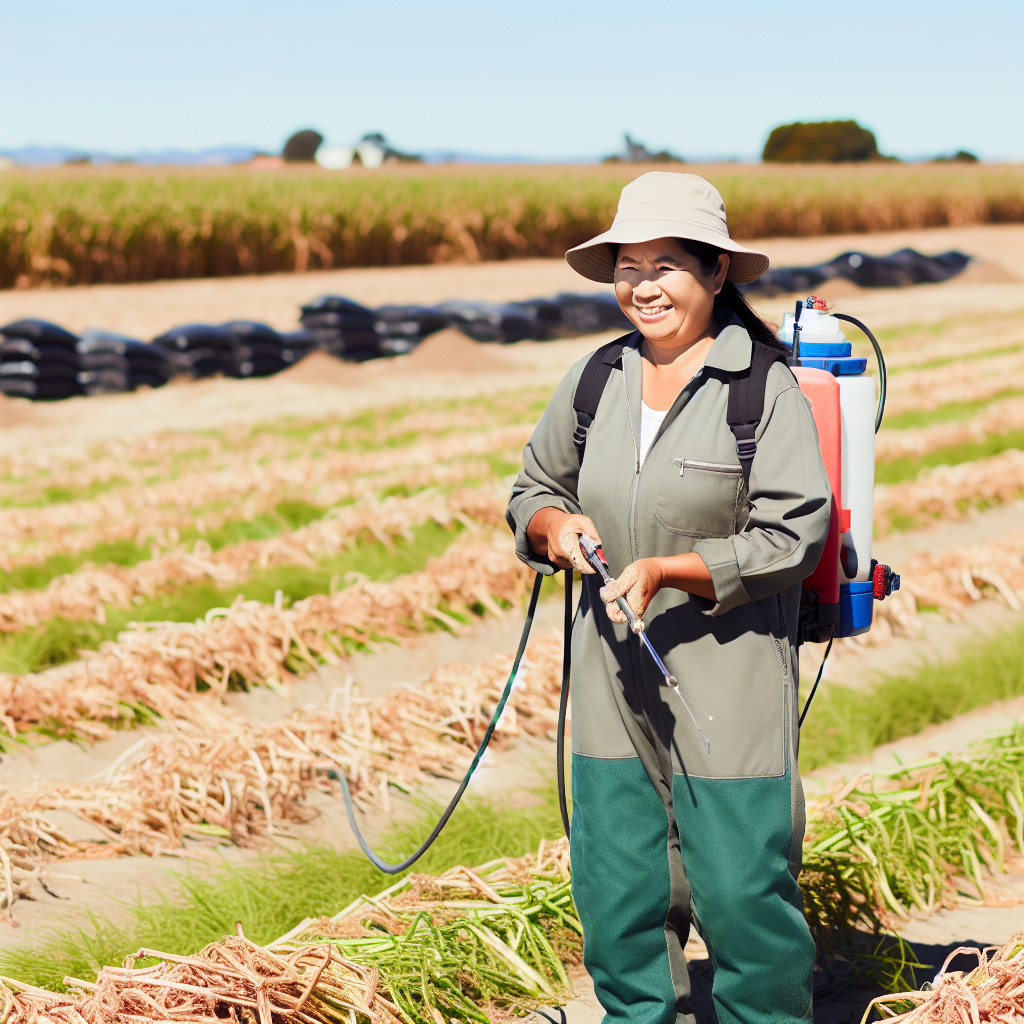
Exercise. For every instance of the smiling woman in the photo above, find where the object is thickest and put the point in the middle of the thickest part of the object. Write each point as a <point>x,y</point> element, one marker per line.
<point>711,521</point>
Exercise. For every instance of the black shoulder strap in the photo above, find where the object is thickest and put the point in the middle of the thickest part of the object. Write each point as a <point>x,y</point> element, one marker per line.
<point>591,387</point>
<point>746,402</point>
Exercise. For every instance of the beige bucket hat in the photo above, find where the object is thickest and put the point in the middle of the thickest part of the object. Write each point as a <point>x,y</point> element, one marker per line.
<point>665,204</point>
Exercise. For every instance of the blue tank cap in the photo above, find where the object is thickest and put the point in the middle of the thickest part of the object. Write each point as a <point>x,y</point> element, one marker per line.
<point>825,349</point>
<point>839,367</point>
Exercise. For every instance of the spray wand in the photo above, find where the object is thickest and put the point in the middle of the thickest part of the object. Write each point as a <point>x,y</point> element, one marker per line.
<point>595,558</point>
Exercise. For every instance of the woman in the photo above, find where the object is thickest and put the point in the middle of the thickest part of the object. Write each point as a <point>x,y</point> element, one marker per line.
<point>663,829</point>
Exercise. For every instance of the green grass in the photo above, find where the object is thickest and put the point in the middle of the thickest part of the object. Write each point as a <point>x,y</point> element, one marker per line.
<point>280,891</point>
<point>908,467</point>
<point>845,723</point>
<point>952,412</point>
<point>59,640</point>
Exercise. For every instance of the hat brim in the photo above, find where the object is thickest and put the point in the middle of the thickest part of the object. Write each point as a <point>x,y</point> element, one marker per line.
<point>596,259</point>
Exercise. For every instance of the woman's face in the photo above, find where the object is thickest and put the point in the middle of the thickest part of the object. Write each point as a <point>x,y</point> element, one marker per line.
<point>662,290</point>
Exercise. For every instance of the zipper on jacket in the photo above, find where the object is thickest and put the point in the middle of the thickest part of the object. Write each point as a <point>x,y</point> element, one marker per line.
<point>787,712</point>
<point>634,482</point>
<point>706,467</point>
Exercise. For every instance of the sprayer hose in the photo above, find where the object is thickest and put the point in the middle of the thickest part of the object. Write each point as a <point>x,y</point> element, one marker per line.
<point>882,375</point>
<point>394,869</point>
<point>563,703</point>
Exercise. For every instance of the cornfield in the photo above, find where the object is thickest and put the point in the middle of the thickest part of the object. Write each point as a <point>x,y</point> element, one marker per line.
<point>83,226</point>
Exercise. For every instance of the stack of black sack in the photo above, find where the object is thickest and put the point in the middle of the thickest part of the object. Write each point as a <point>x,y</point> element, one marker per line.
<point>199,350</point>
<point>112,363</point>
<point>343,328</point>
<point>38,360</point>
<point>351,331</point>
<point>564,316</point>
<point>240,348</point>
<point>260,351</point>
<point>401,328</point>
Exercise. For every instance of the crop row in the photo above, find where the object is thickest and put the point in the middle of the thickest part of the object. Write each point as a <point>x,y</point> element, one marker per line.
<point>146,512</point>
<point>84,594</point>
<point>999,417</point>
<point>964,381</point>
<point>156,667</point>
<point>949,492</point>
<point>38,476</point>
<point>222,777</point>
<point>81,227</point>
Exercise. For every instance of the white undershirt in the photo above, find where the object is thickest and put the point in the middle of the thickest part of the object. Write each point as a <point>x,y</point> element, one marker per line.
<point>650,422</point>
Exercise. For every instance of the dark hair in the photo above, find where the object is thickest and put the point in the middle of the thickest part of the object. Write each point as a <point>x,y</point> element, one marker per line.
<point>730,298</point>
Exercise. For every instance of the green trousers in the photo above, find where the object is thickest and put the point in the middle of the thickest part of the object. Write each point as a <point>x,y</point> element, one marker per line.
<point>638,875</point>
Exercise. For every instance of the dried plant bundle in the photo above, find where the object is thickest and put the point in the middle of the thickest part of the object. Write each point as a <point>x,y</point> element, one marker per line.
<point>227,778</point>
<point>1000,417</point>
<point>948,492</point>
<point>957,381</point>
<point>993,993</point>
<point>84,593</point>
<point>159,665</point>
<point>147,511</point>
<point>232,980</point>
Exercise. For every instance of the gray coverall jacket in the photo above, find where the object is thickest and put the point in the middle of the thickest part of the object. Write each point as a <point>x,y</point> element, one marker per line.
<point>662,828</point>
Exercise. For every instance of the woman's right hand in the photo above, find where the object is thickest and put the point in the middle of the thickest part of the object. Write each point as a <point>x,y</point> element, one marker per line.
<point>555,535</point>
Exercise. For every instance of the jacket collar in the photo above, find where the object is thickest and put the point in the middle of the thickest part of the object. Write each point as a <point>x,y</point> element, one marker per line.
<point>732,349</point>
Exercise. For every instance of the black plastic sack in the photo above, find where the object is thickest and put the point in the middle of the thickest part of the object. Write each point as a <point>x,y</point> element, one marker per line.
<point>139,378</point>
<point>590,314</point>
<point>898,270</point>
<point>260,366</point>
<point>20,387</point>
<point>42,370</point>
<point>42,332</point>
<point>409,323</point>
<point>13,349</point>
<point>104,381</point>
<point>192,337</point>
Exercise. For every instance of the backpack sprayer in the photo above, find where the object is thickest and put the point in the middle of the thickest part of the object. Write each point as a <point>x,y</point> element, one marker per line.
<point>838,596</point>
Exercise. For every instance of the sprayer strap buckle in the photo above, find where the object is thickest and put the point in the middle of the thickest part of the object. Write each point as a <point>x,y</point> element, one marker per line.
<point>746,449</point>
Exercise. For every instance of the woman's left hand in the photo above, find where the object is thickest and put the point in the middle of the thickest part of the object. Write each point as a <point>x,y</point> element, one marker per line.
<point>638,583</point>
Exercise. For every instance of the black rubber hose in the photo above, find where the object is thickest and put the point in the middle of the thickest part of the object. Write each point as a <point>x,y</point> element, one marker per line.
<point>393,869</point>
<point>882,375</point>
<point>814,688</point>
<point>563,703</point>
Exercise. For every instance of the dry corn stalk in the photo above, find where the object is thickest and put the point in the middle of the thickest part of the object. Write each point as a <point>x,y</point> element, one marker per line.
<point>1000,417</point>
<point>233,980</point>
<point>159,665</point>
<point>234,779</point>
<point>83,594</point>
<point>946,492</point>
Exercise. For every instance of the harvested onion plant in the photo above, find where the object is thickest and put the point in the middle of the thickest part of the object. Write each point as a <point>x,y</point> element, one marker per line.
<point>142,511</point>
<point>229,779</point>
<point>465,944</point>
<point>155,665</point>
<point>949,492</point>
<point>933,834</point>
<point>83,594</point>
<point>233,980</point>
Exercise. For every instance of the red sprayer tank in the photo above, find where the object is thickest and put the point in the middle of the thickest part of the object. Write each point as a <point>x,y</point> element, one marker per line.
<point>822,390</point>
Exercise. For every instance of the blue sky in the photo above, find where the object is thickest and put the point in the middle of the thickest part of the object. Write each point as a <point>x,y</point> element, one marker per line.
<point>537,79</point>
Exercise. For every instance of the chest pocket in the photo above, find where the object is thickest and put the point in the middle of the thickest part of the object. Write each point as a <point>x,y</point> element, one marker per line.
<point>698,498</point>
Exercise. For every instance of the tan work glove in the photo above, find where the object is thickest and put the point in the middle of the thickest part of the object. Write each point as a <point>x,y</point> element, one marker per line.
<point>564,543</point>
<point>638,583</point>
